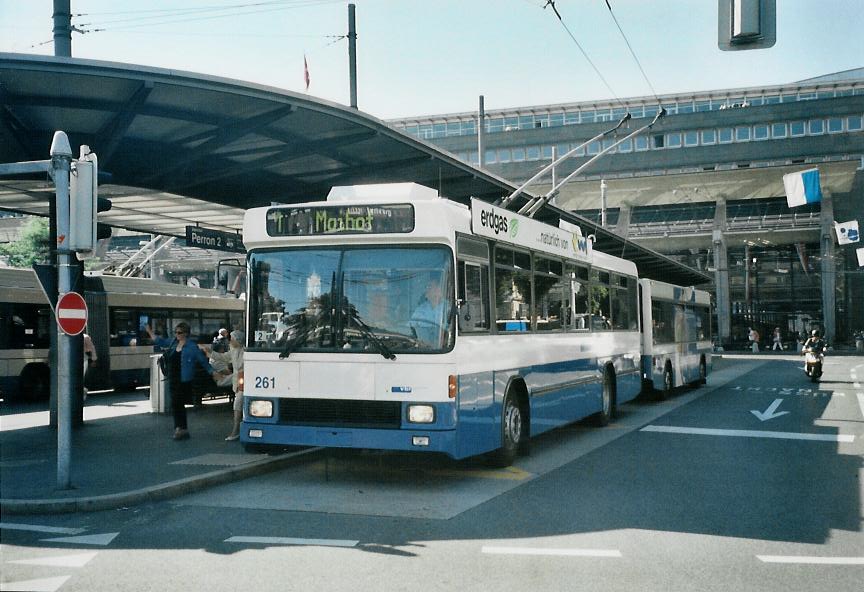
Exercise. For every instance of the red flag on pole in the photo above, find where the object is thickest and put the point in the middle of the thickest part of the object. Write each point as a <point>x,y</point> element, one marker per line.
<point>306,72</point>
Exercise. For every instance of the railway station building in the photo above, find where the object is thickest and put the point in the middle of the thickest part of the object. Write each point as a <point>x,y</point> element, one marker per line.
<point>704,187</point>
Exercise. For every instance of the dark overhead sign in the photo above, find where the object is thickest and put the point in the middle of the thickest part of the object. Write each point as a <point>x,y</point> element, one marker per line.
<point>207,238</point>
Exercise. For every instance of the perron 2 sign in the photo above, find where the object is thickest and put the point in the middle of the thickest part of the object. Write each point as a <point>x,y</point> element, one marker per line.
<point>207,238</point>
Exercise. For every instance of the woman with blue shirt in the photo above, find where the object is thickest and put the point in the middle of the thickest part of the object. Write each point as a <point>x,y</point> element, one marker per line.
<point>182,356</point>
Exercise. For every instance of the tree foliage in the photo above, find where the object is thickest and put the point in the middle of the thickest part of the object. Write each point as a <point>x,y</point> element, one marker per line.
<point>33,246</point>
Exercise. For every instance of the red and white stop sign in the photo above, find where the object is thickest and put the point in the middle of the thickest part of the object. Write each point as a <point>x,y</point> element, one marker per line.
<point>71,313</point>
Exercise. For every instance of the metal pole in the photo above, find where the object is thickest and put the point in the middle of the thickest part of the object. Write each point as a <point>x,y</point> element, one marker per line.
<point>61,160</point>
<point>352,55</point>
<point>62,28</point>
<point>481,133</point>
<point>603,203</point>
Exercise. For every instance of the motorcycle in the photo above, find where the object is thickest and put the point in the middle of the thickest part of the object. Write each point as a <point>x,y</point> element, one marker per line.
<point>813,360</point>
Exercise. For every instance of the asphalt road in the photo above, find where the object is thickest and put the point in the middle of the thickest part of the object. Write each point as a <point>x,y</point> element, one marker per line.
<point>719,488</point>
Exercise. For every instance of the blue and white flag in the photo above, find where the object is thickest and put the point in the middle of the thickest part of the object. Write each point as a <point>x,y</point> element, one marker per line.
<point>847,232</point>
<point>802,188</point>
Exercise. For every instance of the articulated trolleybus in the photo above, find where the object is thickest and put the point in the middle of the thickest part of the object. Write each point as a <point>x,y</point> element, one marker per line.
<point>676,346</point>
<point>412,322</point>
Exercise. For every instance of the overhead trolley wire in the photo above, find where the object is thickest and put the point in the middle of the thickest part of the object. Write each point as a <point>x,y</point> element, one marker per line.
<point>193,15</point>
<point>633,53</point>
<point>198,8</point>
<point>551,3</point>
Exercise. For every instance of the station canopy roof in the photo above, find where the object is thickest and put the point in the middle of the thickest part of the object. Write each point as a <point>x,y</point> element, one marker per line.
<point>184,149</point>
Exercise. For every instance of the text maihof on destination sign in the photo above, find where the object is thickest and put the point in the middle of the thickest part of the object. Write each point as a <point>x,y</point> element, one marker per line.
<point>506,226</point>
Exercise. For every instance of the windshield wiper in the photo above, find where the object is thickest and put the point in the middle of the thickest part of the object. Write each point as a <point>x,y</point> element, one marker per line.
<point>369,334</point>
<point>291,345</point>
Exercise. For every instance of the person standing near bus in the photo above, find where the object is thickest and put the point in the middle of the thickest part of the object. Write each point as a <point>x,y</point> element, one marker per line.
<point>90,358</point>
<point>221,341</point>
<point>183,355</point>
<point>234,356</point>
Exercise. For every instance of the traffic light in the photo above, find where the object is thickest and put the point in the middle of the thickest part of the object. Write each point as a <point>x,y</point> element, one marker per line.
<point>84,204</point>
<point>746,24</point>
<point>102,230</point>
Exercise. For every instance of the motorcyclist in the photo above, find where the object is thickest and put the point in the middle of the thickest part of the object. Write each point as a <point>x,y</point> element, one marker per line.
<point>816,347</point>
<point>815,342</point>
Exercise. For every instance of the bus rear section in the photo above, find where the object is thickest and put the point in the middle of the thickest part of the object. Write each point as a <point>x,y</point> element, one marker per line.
<point>676,336</point>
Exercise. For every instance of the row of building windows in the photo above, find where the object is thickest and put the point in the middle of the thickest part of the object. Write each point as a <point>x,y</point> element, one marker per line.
<point>678,139</point>
<point>468,127</point>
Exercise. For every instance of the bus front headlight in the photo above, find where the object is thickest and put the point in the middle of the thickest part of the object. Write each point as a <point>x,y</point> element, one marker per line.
<point>421,413</point>
<point>260,408</point>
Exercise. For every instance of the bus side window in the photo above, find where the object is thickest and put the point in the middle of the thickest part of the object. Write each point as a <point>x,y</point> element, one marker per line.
<point>576,307</point>
<point>473,295</point>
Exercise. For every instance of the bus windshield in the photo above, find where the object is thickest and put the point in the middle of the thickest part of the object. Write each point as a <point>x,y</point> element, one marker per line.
<point>380,300</point>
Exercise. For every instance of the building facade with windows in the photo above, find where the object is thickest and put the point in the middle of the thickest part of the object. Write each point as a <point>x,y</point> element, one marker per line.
<point>704,186</point>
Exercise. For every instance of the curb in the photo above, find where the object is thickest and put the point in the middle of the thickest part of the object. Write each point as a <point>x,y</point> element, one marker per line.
<point>159,492</point>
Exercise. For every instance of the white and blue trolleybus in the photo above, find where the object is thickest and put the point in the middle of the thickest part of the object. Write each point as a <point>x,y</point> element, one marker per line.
<point>405,321</point>
<point>676,346</point>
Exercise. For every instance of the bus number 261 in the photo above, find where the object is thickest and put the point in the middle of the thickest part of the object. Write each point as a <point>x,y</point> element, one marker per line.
<point>265,382</point>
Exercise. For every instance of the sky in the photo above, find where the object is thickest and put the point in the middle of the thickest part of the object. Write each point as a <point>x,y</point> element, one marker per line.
<point>420,57</point>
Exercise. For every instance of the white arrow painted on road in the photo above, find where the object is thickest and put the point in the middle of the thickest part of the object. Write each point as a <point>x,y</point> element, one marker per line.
<point>770,412</point>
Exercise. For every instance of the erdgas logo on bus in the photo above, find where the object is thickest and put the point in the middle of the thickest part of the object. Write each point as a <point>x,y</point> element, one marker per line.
<point>514,228</point>
<point>491,220</point>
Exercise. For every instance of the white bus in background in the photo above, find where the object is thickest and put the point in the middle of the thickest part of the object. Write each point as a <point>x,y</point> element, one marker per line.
<point>676,335</point>
<point>118,310</point>
<point>533,329</point>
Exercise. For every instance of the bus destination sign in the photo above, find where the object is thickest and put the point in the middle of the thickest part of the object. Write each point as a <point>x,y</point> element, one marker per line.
<point>333,220</point>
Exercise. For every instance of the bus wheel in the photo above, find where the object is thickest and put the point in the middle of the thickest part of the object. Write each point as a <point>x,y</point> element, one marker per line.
<point>35,382</point>
<point>607,401</point>
<point>512,431</point>
<point>703,371</point>
<point>668,384</point>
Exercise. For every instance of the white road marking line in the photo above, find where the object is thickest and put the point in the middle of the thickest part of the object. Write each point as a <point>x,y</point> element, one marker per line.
<point>292,541</point>
<point>811,560</point>
<point>78,560</point>
<point>861,402</point>
<point>749,434</point>
<point>41,585</point>
<point>555,552</point>
<point>40,528</point>
<point>88,539</point>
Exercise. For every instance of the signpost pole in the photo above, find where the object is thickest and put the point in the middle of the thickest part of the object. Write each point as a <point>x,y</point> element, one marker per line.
<point>61,160</point>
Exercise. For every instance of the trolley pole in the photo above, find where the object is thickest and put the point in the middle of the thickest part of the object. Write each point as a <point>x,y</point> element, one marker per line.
<point>61,161</point>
